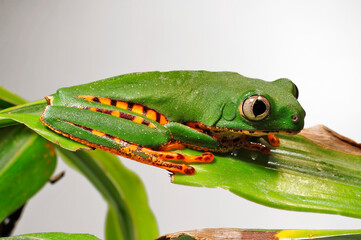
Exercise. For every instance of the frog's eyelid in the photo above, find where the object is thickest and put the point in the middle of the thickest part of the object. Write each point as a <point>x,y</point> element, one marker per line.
<point>295,91</point>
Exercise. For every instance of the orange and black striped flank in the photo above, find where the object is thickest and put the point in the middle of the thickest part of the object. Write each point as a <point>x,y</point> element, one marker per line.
<point>123,115</point>
<point>137,108</point>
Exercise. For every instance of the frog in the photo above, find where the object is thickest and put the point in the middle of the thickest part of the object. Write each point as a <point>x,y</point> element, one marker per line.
<point>146,116</point>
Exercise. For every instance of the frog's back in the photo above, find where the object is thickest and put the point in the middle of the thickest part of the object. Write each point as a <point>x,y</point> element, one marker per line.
<point>182,96</point>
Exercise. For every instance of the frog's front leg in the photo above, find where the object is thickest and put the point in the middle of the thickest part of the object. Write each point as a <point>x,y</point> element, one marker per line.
<point>118,135</point>
<point>242,141</point>
<point>218,140</point>
<point>255,146</point>
<point>200,137</point>
<point>192,137</point>
<point>273,140</point>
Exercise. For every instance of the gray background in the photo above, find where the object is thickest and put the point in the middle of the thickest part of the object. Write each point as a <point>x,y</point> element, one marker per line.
<point>45,45</point>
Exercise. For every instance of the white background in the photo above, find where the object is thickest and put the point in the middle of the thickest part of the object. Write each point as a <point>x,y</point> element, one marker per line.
<point>45,45</point>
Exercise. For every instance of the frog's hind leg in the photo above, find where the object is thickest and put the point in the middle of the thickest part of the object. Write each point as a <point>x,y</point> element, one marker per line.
<point>158,158</point>
<point>113,135</point>
<point>123,148</point>
<point>161,158</point>
<point>255,146</point>
<point>203,158</point>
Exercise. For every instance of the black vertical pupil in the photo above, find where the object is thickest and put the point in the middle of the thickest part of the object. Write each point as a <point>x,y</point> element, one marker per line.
<point>259,108</point>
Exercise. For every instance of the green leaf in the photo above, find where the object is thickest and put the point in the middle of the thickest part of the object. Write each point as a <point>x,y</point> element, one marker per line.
<point>112,229</point>
<point>52,236</point>
<point>299,175</point>
<point>7,122</point>
<point>319,234</point>
<point>26,164</point>
<point>129,216</point>
<point>9,99</point>
<point>29,114</point>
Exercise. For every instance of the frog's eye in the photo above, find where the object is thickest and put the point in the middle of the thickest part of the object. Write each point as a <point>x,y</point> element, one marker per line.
<point>295,91</point>
<point>255,108</point>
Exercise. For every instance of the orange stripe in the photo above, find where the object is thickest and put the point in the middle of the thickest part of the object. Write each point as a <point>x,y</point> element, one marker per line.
<point>152,125</point>
<point>88,98</point>
<point>98,133</point>
<point>151,114</point>
<point>122,105</point>
<point>115,113</point>
<point>163,120</point>
<point>138,120</point>
<point>105,101</point>
<point>137,109</point>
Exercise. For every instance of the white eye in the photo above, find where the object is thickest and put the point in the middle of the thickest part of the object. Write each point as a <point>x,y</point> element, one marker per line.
<point>255,108</point>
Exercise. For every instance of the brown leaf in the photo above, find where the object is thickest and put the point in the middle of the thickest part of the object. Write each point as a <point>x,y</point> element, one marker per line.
<point>327,138</point>
<point>221,234</point>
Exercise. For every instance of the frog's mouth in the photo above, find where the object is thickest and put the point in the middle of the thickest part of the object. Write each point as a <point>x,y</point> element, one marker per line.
<point>213,130</point>
<point>256,133</point>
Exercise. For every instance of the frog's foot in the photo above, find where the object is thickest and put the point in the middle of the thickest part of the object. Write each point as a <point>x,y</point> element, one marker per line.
<point>245,142</point>
<point>255,146</point>
<point>273,140</point>
<point>161,159</point>
<point>204,158</point>
<point>165,155</point>
<point>155,158</point>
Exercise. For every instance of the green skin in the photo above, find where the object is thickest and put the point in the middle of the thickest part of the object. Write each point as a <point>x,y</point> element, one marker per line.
<point>210,98</point>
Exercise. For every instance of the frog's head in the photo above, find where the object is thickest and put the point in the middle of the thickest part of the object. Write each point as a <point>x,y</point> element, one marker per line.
<point>270,108</point>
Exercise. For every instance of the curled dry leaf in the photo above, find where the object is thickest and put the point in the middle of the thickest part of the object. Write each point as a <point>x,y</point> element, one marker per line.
<point>220,234</point>
<point>244,234</point>
<point>327,138</point>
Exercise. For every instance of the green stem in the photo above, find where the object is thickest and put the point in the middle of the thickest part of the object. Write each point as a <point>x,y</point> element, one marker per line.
<point>95,173</point>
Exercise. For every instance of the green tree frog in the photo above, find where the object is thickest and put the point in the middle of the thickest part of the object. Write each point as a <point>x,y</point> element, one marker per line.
<point>142,116</point>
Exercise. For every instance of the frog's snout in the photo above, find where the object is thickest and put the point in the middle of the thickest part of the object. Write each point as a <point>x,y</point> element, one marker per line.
<point>297,118</point>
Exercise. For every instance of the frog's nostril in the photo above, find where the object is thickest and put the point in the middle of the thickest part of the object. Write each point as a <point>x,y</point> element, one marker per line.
<point>294,118</point>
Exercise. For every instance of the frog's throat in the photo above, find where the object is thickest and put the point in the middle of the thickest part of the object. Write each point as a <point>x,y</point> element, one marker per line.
<point>219,130</point>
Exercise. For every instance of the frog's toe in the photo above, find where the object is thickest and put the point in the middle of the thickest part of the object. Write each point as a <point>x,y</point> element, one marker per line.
<point>273,140</point>
<point>189,170</point>
<point>207,157</point>
<point>204,158</point>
